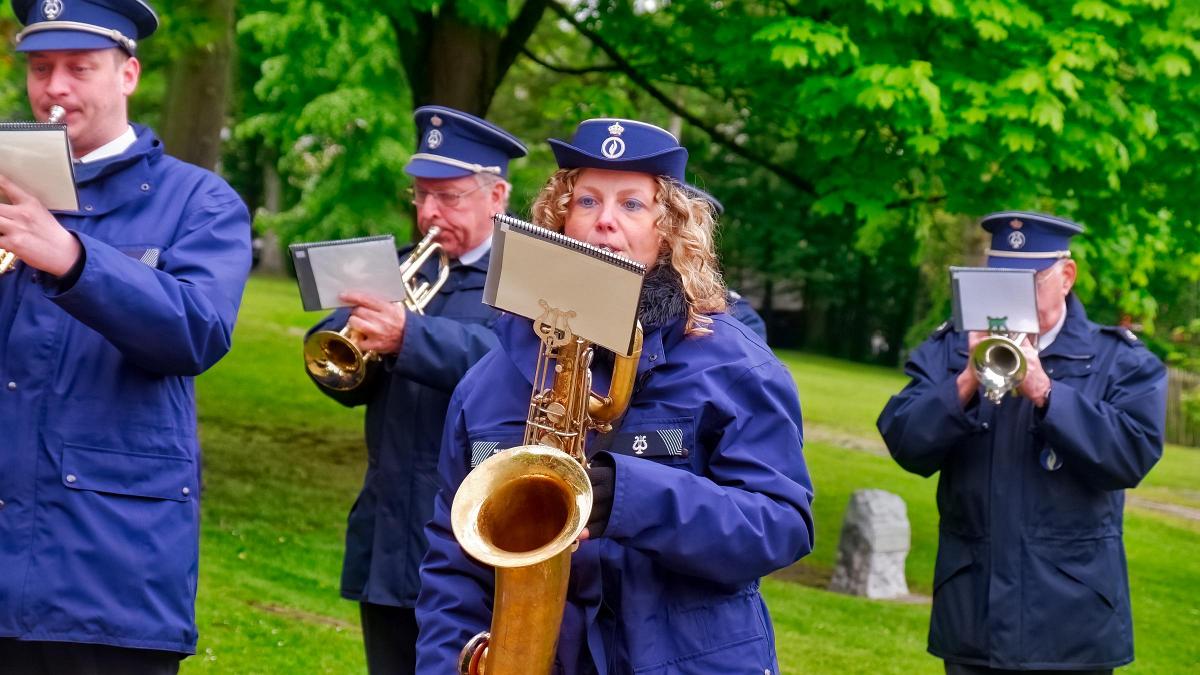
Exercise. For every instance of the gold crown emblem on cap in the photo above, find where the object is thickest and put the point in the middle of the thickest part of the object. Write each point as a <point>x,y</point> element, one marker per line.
<point>616,129</point>
<point>435,121</point>
<point>1015,224</point>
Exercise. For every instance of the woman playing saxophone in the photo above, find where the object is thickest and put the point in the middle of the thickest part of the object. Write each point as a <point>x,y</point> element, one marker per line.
<point>698,490</point>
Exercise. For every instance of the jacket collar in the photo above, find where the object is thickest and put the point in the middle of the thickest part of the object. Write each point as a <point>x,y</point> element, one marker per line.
<point>146,147</point>
<point>1076,339</point>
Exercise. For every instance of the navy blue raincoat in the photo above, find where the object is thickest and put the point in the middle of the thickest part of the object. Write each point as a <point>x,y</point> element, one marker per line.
<point>406,401</point>
<point>711,493</point>
<point>1031,568</point>
<point>99,462</point>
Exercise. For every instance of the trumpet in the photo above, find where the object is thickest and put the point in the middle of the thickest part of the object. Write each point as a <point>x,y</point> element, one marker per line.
<point>8,259</point>
<point>522,510</point>
<point>999,364</point>
<point>334,359</point>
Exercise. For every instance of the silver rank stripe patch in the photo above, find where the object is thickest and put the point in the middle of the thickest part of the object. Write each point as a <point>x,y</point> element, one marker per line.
<point>481,450</point>
<point>673,439</point>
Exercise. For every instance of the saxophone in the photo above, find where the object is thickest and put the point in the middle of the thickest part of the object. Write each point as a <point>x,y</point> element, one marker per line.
<point>522,510</point>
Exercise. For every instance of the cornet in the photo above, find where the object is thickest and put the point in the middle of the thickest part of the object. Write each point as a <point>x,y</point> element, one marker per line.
<point>999,364</point>
<point>334,359</point>
<point>8,259</point>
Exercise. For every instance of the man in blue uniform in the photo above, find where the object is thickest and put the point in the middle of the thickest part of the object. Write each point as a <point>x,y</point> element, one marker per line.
<point>459,181</point>
<point>112,311</point>
<point>1030,572</point>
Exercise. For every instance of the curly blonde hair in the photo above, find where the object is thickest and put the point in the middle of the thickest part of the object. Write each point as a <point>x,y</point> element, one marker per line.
<point>685,226</point>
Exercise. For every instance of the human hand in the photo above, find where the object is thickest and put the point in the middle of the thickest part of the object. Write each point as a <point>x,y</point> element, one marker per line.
<point>379,322</point>
<point>1036,384</point>
<point>33,234</point>
<point>968,381</point>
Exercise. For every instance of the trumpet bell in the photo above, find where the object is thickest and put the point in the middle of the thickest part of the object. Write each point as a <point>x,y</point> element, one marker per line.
<point>999,364</point>
<point>333,360</point>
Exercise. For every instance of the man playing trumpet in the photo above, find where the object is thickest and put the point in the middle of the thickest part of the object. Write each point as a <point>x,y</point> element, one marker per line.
<point>1031,567</point>
<point>105,320</point>
<point>459,174</point>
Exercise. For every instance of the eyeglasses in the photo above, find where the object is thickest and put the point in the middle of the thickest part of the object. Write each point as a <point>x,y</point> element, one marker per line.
<point>449,200</point>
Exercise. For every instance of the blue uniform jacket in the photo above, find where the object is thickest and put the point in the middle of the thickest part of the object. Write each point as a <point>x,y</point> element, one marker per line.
<point>711,493</point>
<point>99,465</point>
<point>741,309</point>
<point>1030,570</point>
<point>406,403</point>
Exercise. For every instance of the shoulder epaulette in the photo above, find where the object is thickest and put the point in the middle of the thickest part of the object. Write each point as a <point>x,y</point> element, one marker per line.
<point>1123,333</point>
<point>941,330</point>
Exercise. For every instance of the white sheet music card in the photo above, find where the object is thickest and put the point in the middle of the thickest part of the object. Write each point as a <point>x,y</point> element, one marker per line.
<point>994,299</point>
<point>325,270</point>
<point>37,157</point>
<point>532,269</point>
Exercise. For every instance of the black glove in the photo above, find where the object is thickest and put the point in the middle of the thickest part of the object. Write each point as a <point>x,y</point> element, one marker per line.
<point>603,474</point>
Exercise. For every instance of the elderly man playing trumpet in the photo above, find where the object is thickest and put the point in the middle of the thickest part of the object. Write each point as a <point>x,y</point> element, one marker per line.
<point>1030,570</point>
<point>459,174</point>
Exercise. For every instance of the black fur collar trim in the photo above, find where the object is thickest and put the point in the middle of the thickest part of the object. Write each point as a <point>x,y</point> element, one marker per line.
<point>663,300</point>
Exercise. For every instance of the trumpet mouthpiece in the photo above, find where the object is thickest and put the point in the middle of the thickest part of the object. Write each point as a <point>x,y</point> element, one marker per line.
<point>57,113</point>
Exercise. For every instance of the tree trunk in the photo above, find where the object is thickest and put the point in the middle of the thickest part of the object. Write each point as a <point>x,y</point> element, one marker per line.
<point>198,88</point>
<point>454,63</point>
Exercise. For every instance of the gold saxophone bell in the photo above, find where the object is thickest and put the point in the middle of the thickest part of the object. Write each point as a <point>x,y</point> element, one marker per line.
<point>334,358</point>
<point>999,364</point>
<point>522,510</point>
<point>8,259</point>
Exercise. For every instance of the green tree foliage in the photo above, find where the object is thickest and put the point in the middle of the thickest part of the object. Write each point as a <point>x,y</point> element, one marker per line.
<point>1084,109</point>
<point>856,141</point>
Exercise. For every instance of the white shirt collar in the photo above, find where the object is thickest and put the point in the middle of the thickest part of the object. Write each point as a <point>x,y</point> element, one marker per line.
<point>471,257</point>
<point>112,148</point>
<point>1047,338</point>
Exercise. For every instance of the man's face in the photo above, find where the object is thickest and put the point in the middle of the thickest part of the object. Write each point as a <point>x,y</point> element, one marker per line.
<point>91,85</point>
<point>1053,285</point>
<point>462,207</point>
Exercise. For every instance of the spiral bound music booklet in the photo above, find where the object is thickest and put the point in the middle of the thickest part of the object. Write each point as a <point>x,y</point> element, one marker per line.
<point>994,299</point>
<point>326,269</point>
<point>534,270</point>
<point>37,157</point>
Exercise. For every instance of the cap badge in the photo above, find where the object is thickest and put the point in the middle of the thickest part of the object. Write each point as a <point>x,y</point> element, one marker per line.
<point>434,139</point>
<point>435,121</point>
<point>1015,224</point>
<point>1016,240</point>
<point>52,9</point>
<point>613,147</point>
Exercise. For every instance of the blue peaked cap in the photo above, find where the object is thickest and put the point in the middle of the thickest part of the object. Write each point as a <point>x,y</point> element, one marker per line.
<point>67,25</point>
<point>622,145</point>
<point>1028,240</point>
<point>456,144</point>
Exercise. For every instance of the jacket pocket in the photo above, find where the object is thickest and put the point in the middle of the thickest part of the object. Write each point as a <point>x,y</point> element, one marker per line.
<point>1080,584</point>
<point>957,625</point>
<point>667,440</point>
<point>486,444</point>
<point>725,634</point>
<point>128,473</point>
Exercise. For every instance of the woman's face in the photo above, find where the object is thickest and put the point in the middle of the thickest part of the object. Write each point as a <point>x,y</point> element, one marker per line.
<point>615,210</point>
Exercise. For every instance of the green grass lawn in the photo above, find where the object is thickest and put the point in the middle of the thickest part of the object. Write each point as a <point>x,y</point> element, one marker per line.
<point>283,464</point>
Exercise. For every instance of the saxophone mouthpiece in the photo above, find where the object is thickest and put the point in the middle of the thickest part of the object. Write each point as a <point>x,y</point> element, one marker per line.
<point>57,113</point>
